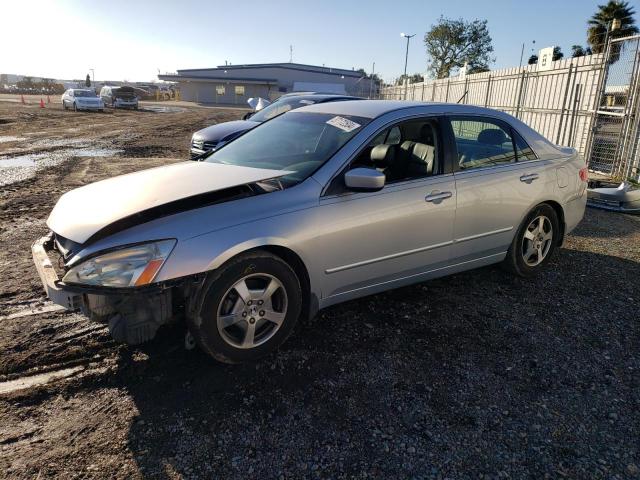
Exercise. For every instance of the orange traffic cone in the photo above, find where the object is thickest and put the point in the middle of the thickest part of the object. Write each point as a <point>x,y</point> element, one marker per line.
<point>22,99</point>
<point>41,103</point>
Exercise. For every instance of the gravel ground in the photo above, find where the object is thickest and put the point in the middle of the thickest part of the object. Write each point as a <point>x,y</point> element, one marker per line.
<point>478,375</point>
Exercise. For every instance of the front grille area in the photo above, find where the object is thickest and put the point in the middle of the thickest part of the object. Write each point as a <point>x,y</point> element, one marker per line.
<point>202,145</point>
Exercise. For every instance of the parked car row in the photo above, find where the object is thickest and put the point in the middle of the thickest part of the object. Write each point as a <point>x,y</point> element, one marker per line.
<point>111,96</point>
<point>314,204</point>
<point>208,139</point>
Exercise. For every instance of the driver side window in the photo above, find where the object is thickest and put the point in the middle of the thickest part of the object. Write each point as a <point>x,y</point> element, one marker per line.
<point>405,151</point>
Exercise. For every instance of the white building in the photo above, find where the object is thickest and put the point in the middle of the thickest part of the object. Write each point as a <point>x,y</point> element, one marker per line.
<point>234,84</point>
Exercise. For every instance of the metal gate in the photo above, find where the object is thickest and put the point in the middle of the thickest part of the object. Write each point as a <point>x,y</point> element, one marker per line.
<point>614,146</point>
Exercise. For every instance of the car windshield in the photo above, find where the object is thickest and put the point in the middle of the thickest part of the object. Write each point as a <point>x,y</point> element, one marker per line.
<point>83,93</point>
<point>299,142</point>
<point>279,107</point>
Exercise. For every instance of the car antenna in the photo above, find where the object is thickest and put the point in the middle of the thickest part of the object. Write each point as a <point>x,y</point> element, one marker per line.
<point>463,95</point>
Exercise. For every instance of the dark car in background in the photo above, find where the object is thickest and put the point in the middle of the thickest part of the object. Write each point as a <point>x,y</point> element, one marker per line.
<point>119,97</point>
<point>209,138</point>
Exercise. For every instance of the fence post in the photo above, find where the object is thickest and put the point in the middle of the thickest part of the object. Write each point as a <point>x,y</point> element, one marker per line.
<point>465,89</point>
<point>520,95</point>
<point>422,95</point>
<point>433,90</point>
<point>571,96</point>
<point>446,96</point>
<point>564,101</point>
<point>486,98</point>
<point>576,101</point>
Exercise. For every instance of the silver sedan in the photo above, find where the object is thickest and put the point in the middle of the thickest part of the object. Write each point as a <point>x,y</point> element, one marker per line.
<point>315,207</point>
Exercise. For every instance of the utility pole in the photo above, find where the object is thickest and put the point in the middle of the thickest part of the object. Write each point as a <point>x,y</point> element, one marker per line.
<point>371,80</point>
<point>93,77</point>
<point>406,58</point>
<point>521,53</point>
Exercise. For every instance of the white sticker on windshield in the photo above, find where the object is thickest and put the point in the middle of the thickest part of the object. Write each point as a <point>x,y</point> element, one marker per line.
<point>343,124</point>
<point>307,102</point>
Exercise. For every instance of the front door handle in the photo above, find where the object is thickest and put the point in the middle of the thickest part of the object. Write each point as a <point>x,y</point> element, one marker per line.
<point>529,178</point>
<point>437,197</point>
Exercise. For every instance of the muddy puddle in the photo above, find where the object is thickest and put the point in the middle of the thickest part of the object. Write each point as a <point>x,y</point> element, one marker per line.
<point>15,168</point>
<point>162,109</point>
<point>36,380</point>
<point>10,138</point>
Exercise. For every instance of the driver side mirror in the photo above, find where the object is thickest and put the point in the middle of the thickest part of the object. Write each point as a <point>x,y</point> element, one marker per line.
<point>364,179</point>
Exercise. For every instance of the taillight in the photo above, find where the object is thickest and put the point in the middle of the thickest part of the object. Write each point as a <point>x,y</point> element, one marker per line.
<point>584,174</point>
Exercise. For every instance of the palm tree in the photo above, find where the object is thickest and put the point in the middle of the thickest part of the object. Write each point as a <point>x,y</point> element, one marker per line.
<point>577,51</point>
<point>557,54</point>
<point>600,22</point>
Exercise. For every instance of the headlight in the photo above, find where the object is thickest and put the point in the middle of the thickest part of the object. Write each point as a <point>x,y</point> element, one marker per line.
<point>128,267</point>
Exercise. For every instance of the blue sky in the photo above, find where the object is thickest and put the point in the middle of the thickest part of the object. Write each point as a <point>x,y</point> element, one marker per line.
<point>131,40</point>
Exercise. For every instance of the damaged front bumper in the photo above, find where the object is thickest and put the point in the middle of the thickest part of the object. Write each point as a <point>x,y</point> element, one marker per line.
<point>55,290</point>
<point>132,314</point>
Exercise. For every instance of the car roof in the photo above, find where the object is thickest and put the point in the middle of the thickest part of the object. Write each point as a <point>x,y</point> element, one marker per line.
<point>376,108</point>
<point>319,97</point>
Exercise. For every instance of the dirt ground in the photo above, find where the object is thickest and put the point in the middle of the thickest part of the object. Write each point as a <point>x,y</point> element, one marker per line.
<point>478,375</point>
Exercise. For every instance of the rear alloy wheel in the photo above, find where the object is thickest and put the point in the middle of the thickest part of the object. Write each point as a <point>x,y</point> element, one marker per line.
<point>535,242</point>
<point>248,308</point>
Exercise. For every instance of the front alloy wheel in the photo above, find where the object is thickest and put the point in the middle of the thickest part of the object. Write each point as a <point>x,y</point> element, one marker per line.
<point>252,311</point>
<point>247,307</point>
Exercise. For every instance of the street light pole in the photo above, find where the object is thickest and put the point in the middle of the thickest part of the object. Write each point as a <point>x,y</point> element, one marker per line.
<point>406,57</point>
<point>93,78</point>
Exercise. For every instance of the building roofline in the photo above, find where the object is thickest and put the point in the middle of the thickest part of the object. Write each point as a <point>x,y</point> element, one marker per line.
<point>285,65</point>
<point>182,78</point>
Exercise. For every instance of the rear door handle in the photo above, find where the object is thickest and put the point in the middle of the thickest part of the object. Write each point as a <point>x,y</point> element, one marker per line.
<point>529,178</point>
<point>437,197</point>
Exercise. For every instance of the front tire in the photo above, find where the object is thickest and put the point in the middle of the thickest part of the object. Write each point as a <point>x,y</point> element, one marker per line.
<point>248,308</point>
<point>535,242</point>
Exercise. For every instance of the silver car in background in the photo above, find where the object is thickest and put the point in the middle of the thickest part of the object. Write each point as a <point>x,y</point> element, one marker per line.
<point>317,206</point>
<point>81,99</point>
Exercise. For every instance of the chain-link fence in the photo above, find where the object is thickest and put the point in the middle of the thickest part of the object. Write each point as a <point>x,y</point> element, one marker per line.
<point>615,138</point>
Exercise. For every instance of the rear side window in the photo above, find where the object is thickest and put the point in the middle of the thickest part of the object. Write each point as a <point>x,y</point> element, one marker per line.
<point>482,142</point>
<point>523,151</point>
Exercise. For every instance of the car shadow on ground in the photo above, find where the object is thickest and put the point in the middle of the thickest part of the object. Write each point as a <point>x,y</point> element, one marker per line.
<point>480,372</point>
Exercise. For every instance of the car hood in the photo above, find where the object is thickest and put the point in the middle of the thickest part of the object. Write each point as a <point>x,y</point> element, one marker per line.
<point>81,213</point>
<point>220,131</point>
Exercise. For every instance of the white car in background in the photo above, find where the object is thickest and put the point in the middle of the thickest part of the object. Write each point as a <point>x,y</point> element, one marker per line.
<point>81,99</point>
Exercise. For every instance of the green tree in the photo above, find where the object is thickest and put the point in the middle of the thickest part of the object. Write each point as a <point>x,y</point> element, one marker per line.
<point>580,51</point>
<point>416,77</point>
<point>87,81</point>
<point>452,43</point>
<point>557,54</point>
<point>602,19</point>
<point>533,59</point>
<point>26,82</point>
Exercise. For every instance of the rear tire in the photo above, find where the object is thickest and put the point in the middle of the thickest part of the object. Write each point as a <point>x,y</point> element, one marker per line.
<point>247,308</point>
<point>535,242</point>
